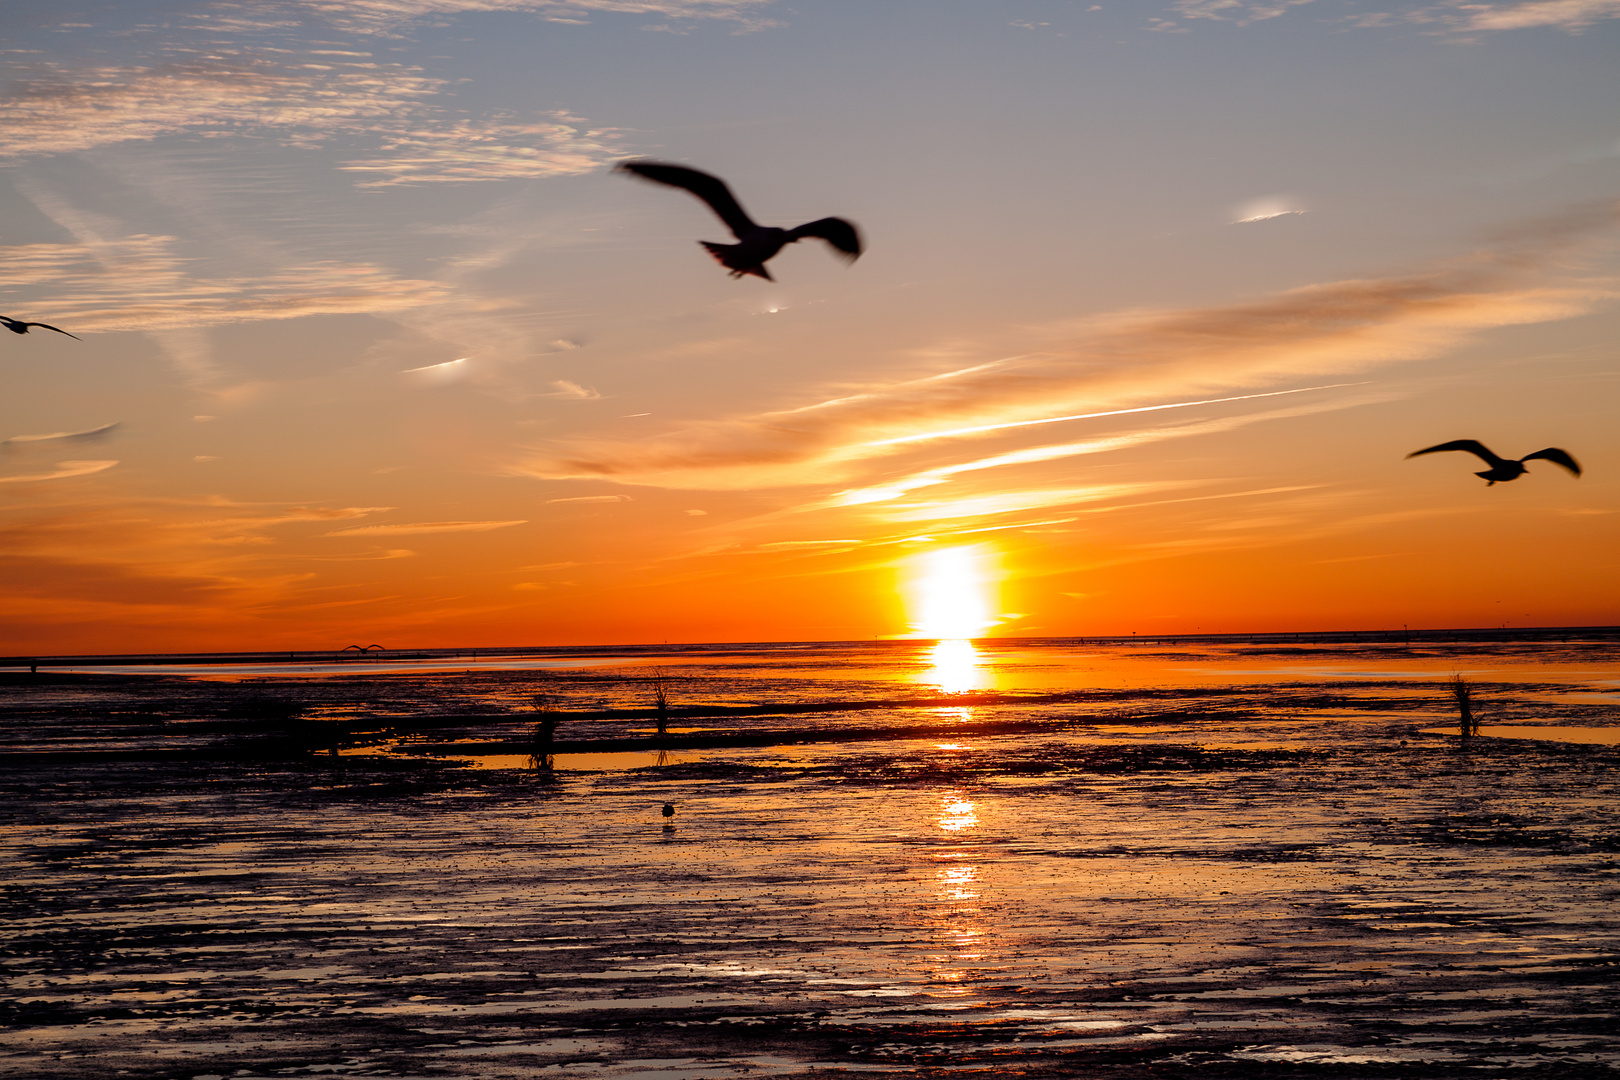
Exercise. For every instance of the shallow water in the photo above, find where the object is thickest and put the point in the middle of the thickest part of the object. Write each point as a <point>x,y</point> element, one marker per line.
<point>1215,863</point>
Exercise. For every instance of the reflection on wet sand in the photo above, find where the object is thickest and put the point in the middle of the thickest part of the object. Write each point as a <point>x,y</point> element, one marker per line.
<point>954,667</point>
<point>957,929</point>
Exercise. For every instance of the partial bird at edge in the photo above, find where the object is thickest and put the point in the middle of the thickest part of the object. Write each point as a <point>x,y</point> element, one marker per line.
<point>1501,468</point>
<point>758,243</point>
<point>18,326</point>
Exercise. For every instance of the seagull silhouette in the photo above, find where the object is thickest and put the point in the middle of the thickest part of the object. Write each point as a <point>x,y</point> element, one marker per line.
<point>17,326</point>
<point>1503,468</point>
<point>759,243</point>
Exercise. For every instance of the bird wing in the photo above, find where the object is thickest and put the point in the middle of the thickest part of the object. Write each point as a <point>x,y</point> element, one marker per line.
<point>711,189</point>
<point>1472,446</point>
<point>1557,457</point>
<point>58,329</point>
<point>841,234</point>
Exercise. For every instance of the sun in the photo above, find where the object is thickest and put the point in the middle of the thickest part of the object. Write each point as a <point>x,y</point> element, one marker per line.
<point>949,590</point>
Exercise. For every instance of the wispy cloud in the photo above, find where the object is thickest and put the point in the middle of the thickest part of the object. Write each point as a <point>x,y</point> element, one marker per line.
<point>591,499</point>
<point>500,149</point>
<point>79,109</point>
<point>1569,15</point>
<point>898,488</point>
<point>1463,15</point>
<point>1015,502</point>
<point>562,388</point>
<point>426,528</point>
<point>1238,11</point>
<point>145,282</point>
<point>1120,362</point>
<point>396,112</point>
<point>370,16</point>
<point>63,470</point>
<point>34,442</point>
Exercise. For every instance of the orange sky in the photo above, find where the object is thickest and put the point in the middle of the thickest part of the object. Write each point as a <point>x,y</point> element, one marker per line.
<point>1155,302</point>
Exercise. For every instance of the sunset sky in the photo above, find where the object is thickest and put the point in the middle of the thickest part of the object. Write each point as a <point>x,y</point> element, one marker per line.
<point>1158,295</point>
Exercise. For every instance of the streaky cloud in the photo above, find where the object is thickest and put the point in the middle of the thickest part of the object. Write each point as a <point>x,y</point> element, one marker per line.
<point>144,282</point>
<point>1562,14</point>
<point>383,16</point>
<point>953,432</point>
<point>894,489</point>
<point>426,528</point>
<point>64,469</point>
<point>480,150</point>
<point>28,442</point>
<point>1121,362</point>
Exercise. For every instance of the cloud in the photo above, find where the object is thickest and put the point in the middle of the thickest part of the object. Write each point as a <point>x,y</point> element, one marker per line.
<point>565,389</point>
<point>897,488</point>
<point>1465,15</point>
<point>29,442</point>
<point>64,469</point>
<point>776,544</point>
<point>372,16</point>
<point>1014,502</point>
<point>304,103</point>
<point>1267,208</point>
<point>143,282</point>
<point>1569,15</point>
<point>426,528</point>
<point>591,499</point>
<point>1242,12</point>
<point>473,150</point>
<point>395,109</point>
<point>1118,362</point>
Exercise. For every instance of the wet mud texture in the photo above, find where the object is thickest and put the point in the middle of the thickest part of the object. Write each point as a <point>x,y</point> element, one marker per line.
<point>1277,882</point>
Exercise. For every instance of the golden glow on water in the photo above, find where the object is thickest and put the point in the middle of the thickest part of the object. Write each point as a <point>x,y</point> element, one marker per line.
<point>949,591</point>
<point>955,667</point>
<point>959,931</point>
<point>957,815</point>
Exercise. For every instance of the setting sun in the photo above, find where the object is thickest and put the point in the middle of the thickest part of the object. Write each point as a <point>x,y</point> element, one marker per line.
<point>949,593</point>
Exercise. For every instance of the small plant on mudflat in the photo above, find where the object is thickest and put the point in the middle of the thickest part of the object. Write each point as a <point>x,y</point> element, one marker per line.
<point>1463,694</point>
<point>543,734</point>
<point>661,702</point>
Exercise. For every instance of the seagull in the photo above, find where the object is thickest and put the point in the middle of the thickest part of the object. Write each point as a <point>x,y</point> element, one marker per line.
<point>1503,468</point>
<point>760,243</point>
<point>17,326</point>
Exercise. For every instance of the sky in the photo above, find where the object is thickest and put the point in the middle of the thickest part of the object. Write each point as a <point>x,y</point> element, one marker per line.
<point>1156,297</point>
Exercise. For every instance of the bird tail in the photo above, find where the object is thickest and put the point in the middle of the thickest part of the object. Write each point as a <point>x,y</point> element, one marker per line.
<point>726,255</point>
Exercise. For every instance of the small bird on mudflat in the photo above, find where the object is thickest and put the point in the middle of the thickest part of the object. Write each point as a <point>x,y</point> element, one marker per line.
<point>759,243</point>
<point>669,810</point>
<point>1503,468</point>
<point>17,326</point>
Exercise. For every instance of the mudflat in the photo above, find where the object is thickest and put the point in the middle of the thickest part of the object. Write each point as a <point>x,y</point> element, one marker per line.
<point>1019,859</point>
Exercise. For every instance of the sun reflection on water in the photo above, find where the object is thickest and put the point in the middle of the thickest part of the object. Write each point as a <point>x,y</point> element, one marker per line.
<point>959,934</point>
<point>957,815</point>
<point>955,667</point>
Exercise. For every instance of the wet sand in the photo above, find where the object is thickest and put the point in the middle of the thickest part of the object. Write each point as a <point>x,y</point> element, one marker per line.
<point>1110,863</point>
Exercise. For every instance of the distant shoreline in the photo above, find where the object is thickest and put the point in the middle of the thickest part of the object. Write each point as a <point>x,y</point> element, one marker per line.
<point>352,656</point>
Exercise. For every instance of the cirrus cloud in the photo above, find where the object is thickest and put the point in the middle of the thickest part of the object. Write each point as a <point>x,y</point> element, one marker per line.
<point>426,528</point>
<point>63,470</point>
<point>1116,362</point>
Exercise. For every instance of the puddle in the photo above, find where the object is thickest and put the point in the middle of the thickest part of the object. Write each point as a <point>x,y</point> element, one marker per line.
<point>618,761</point>
<point>1596,736</point>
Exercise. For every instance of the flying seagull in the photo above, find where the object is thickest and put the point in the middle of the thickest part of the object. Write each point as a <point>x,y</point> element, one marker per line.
<point>759,243</point>
<point>1503,468</point>
<point>17,326</point>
